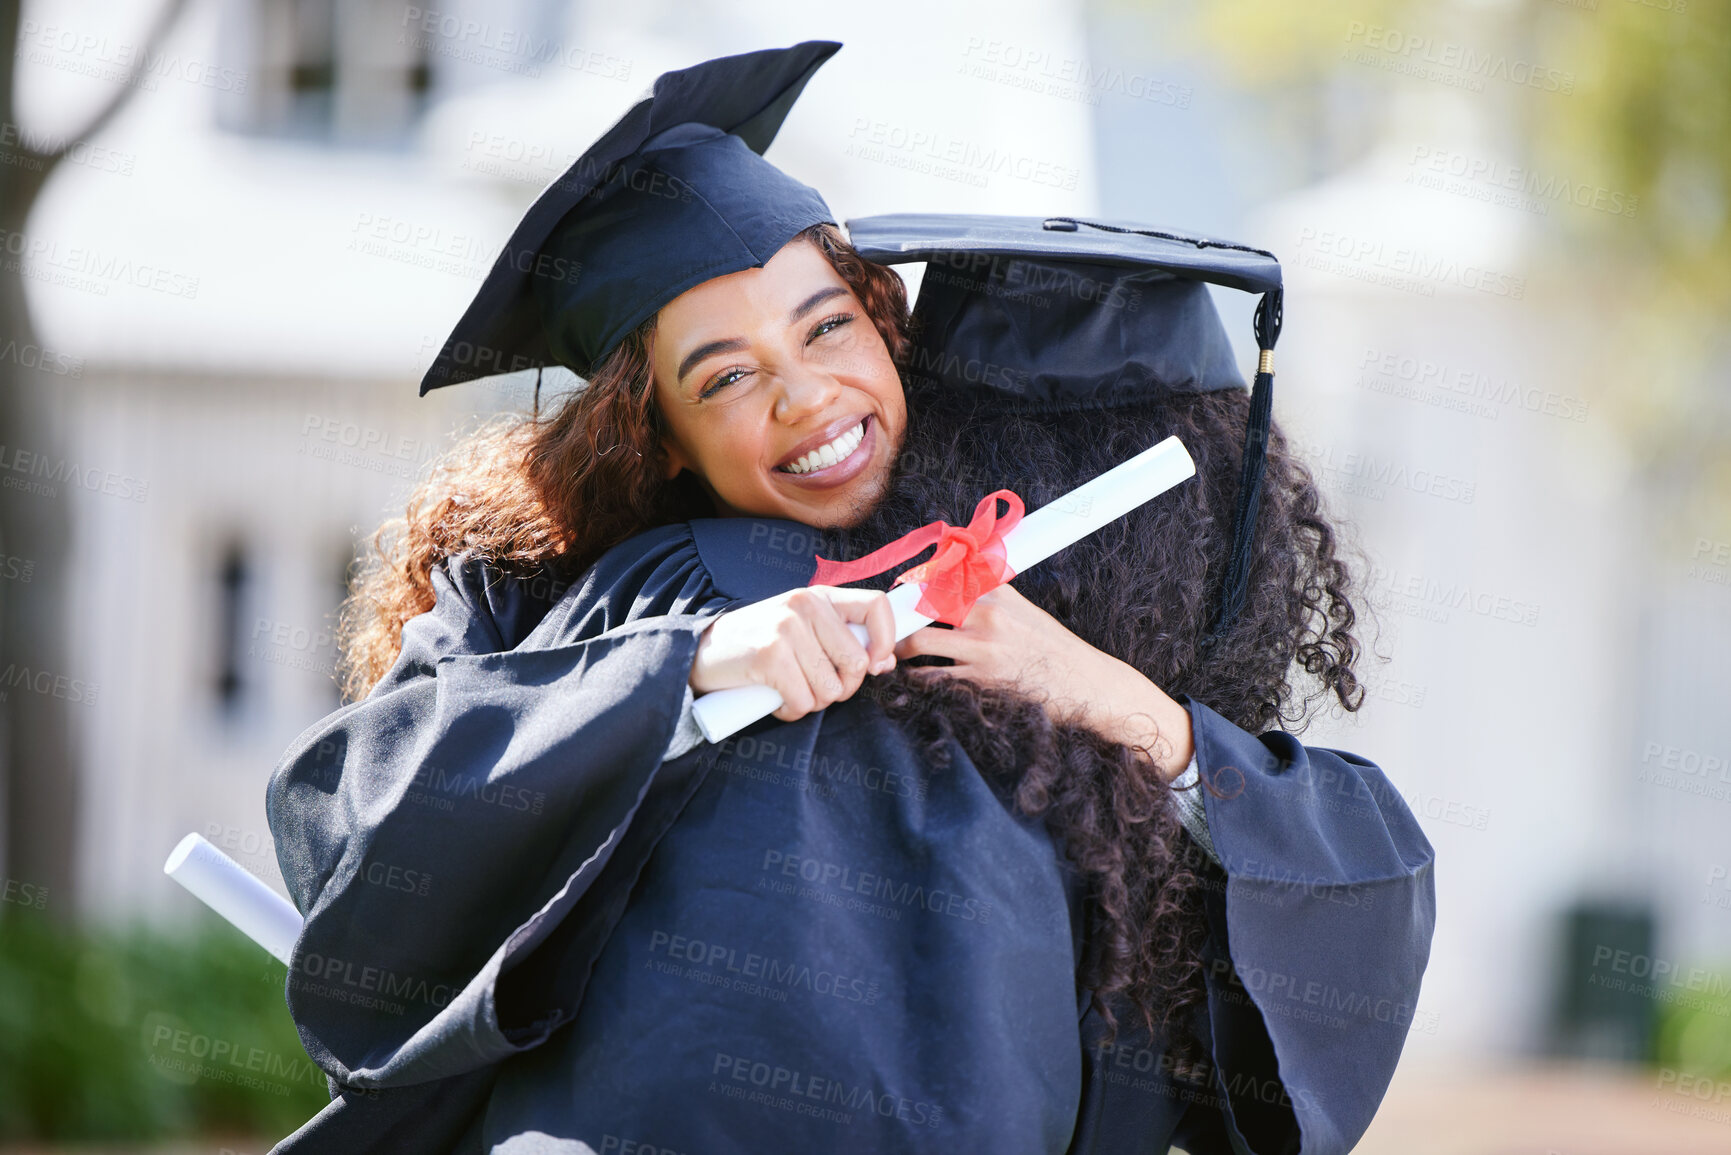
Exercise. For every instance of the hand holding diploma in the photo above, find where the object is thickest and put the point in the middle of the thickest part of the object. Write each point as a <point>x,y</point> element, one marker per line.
<point>799,645</point>
<point>945,586</point>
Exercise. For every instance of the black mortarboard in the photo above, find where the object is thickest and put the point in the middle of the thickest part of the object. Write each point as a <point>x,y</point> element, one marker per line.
<point>675,193</point>
<point>1060,315</point>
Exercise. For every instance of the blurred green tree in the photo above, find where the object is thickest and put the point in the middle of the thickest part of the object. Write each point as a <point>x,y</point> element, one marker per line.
<point>1648,115</point>
<point>111,1035</point>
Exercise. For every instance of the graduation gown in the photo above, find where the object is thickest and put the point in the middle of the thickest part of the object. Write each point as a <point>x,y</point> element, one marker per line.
<point>526,931</point>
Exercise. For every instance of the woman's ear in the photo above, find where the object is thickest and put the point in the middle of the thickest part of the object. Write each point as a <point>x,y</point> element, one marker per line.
<point>671,459</point>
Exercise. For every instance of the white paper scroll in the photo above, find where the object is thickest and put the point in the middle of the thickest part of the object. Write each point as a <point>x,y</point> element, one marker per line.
<point>1037,537</point>
<point>223,884</point>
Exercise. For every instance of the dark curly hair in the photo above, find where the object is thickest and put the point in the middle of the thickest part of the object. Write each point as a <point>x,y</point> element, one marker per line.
<point>1143,589</point>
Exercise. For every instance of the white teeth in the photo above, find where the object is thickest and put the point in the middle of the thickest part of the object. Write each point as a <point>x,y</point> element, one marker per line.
<point>827,455</point>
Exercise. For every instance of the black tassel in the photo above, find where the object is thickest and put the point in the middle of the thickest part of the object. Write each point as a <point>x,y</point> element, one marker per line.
<point>1236,585</point>
<point>538,392</point>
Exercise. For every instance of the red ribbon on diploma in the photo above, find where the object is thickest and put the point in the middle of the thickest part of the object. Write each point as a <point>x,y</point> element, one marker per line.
<point>969,560</point>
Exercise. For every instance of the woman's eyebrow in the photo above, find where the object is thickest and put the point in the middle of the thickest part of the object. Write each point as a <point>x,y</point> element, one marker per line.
<point>814,301</point>
<point>730,345</point>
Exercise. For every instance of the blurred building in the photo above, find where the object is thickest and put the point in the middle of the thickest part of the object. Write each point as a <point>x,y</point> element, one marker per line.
<point>316,190</point>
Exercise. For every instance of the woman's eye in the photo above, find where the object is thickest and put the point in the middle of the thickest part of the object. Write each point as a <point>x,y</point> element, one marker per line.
<point>722,381</point>
<point>729,376</point>
<point>829,324</point>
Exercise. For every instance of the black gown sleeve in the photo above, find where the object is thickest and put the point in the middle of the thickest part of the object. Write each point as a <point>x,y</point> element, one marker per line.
<point>436,831</point>
<point>1317,943</point>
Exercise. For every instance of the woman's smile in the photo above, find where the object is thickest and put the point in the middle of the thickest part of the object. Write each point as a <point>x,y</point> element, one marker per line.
<point>828,459</point>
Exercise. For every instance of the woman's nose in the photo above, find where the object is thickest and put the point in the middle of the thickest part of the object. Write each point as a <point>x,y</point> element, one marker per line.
<point>805,391</point>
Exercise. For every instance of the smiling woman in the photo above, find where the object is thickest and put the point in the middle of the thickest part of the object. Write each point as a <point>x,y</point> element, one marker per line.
<point>777,391</point>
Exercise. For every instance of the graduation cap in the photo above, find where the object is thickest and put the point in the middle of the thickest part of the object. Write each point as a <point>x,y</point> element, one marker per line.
<point>1061,315</point>
<point>675,193</point>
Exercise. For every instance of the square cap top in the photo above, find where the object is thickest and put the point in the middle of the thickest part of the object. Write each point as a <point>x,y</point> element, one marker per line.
<point>675,192</point>
<point>892,238</point>
<point>1055,314</point>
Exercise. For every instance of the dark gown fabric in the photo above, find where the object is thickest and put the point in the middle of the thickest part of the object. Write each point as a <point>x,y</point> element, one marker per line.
<point>527,933</point>
<point>1320,925</point>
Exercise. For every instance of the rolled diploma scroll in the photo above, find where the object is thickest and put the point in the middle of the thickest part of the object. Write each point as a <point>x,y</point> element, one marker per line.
<point>223,884</point>
<point>1036,537</point>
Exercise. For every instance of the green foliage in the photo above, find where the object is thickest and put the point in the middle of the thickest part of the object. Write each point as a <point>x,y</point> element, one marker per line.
<point>137,1036</point>
<point>1265,43</point>
<point>1646,118</point>
<point>1652,116</point>
<point>1695,1035</point>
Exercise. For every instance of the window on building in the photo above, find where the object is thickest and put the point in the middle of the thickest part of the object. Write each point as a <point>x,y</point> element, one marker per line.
<point>322,70</point>
<point>234,578</point>
<point>310,69</point>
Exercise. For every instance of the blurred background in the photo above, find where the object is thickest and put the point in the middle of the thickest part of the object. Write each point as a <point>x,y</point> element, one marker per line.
<point>233,234</point>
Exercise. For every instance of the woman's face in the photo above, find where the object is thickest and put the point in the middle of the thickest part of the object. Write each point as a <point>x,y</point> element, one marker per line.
<point>778,392</point>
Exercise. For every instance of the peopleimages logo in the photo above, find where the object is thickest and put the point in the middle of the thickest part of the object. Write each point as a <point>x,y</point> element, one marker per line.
<point>1447,62</point>
<point>938,365</point>
<point>1400,266</point>
<point>179,1051</point>
<point>1429,598</point>
<point>1660,978</point>
<point>87,269</point>
<point>730,961</point>
<point>794,1089</point>
<point>1527,188</point>
<point>359,984</point>
<point>85,53</point>
<point>921,149</point>
<point>1461,387</point>
<point>1367,475</point>
<point>878,887</point>
<point>1063,76</point>
<point>1015,278</point>
<point>33,356</point>
<point>47,683</point>
<point>503,47</point>
<point>52,472</point>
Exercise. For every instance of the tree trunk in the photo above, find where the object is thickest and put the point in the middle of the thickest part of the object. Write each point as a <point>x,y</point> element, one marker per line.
<point>38,770</point>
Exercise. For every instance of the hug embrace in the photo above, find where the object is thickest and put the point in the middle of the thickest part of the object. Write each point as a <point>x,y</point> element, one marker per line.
<point>1052,877</point>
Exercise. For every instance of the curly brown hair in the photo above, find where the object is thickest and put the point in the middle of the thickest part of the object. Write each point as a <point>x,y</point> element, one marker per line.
<point>1143,589</point>
<point>546,495</point>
